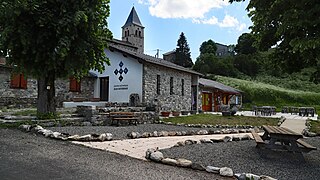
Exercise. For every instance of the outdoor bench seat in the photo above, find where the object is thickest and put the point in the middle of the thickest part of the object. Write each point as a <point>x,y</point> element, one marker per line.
<point>258,139</point>
<point>123,116</point>
<point>306,145</point>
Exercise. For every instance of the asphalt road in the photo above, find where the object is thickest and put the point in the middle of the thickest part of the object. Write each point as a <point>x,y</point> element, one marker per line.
<point>30,156</point>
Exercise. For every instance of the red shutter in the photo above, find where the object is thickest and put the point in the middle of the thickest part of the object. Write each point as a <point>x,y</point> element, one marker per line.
<point>74,85</point>
<point>23,82</point>
<point>15,81</point>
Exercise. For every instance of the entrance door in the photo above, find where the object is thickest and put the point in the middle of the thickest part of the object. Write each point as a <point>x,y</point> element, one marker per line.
<point>104,88</point>
<point>207,101</point>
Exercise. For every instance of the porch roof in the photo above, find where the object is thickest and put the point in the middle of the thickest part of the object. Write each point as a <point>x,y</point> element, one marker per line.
<point>216,85</point>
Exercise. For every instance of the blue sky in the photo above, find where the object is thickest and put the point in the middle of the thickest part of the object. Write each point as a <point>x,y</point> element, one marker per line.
<point>200,20</point>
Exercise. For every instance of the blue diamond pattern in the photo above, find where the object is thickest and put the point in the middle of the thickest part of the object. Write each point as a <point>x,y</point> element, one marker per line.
<point>120,78</point>
<point>121,71</point>
<point>125,70</point>
<point>121,64</point>
<point>116,72</point>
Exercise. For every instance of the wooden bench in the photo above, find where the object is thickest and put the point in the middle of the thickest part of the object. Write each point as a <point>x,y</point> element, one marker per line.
<point>307,147</point>
<point>258,139</point>
<point>123,116</point>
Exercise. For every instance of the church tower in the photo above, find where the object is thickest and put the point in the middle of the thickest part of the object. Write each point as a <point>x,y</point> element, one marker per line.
<point>133,31</point>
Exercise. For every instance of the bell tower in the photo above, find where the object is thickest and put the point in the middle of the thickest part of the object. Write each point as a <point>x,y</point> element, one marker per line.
<point>133,31</point>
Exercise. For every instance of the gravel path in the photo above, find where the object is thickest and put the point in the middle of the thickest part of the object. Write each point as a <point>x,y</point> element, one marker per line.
<point>29,156</point>
<point>121,131</point>
<point>243,157</point>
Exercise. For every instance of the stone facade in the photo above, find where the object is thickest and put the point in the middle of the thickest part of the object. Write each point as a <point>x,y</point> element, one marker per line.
<point>165,100</point>
<point>28,97</point>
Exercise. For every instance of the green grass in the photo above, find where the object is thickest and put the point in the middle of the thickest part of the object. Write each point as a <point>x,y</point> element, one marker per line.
<point>315,126</point>
<point>223,120</point>
<point>28,112</point>
<point>16,124</point>
<point>257,93</point>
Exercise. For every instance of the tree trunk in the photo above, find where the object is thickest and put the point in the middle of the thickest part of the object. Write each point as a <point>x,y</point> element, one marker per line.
<point>46,95</point>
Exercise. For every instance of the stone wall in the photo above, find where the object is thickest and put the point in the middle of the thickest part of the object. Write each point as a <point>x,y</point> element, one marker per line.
<point>164,100</point>
<point>28,97</point>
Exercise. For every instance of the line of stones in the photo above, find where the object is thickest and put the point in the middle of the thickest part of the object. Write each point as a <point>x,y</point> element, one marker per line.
<point>65,136</point>
<point>157,156</point>
<point>307,132</point>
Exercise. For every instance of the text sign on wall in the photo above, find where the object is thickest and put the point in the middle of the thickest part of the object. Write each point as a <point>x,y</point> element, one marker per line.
<point>120,87</point>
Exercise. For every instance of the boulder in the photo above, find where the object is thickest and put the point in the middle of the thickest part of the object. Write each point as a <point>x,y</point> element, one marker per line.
<point>155,134</point>
<point>102,137</point>
<point>25,127</point>
<point>183,133</point>
<point>227,139</point>
<point>56,135</point>
<point>38,128</point>
<point>241,176</point>
<point>202,132</point>
<point>149,151</point>
<point>87,137</point>
<point>252,176</point>
<point>169,161</point>
<point>145,135</point>
<point>109,136</point>
<point>179,133</point>
<point>225,171</point>
<point>184,162</point>
<point>172,133</point>
<point>181,143</point>
<point>132,135</point>
<point>156,156</point>
<point>212,169</point>
<point>197,166</point>
<point>74,137</point>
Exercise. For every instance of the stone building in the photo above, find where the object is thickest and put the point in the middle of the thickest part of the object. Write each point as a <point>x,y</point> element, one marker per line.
<point>133,78</point>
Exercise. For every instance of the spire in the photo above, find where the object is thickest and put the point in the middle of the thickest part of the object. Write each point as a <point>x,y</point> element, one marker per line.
<point>133,19</point>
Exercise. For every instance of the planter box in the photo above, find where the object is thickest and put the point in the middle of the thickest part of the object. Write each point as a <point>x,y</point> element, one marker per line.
<point>175,113</point>
<point>184,112</point>
<point>165,113</point>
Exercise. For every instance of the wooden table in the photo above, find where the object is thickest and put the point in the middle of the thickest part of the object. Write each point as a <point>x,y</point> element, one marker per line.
<point>280,138</point>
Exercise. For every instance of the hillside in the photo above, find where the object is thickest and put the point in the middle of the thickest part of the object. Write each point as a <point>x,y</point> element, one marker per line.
<point>259,93</point>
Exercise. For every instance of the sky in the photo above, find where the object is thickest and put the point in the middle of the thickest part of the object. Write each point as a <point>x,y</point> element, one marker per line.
<point>199,20</point>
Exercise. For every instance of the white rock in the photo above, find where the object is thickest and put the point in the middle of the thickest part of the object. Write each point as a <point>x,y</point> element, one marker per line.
<point>225,171</point>
<point>252,176</point>
<point>184,162</point>
<point>156,156</point>
<point>87,137</point>
<point>74,137</point>
<point>46,132</point>
<point>148,152</point>
<point>169,161</point>
<point>212,169</point>
<point>109,136</point>
<point>227,139</point>
<point>38,128</point>
<point>56,134</point>
<point>102,137</point>
<point>25,127</point>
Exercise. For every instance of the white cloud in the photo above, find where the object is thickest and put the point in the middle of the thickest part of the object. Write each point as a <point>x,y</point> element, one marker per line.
<point>229,21</point>
<point>212,21</point>
<point>182,8</point>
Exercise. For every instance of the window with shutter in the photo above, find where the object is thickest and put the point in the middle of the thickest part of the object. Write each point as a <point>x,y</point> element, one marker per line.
<point>74,85</point>
<point>18,81</point>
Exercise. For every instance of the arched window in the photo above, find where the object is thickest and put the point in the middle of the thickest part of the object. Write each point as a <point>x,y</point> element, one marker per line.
<point>136,33</point>
<point>139,33</point>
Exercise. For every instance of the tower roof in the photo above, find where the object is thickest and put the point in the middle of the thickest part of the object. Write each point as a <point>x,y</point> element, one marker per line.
<point>133,18</point>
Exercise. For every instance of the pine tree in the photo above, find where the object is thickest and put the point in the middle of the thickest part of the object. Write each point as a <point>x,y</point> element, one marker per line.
<point>183,55</point>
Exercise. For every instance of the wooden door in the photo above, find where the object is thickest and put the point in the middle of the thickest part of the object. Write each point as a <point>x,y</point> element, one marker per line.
<point>207,101</point>
<point>104,88</point>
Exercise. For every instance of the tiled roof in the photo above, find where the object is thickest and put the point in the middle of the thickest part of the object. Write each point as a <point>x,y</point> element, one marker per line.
<point>133,18</point>
<point>214,84</point>
<point>153,60</point>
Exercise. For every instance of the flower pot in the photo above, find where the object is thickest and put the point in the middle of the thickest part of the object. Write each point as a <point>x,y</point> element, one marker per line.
<point>184,112</point>
<point>165,113</point>
<point>175,113</point>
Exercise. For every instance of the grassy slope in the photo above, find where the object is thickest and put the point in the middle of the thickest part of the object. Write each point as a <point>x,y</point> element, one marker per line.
<point>257,93</point>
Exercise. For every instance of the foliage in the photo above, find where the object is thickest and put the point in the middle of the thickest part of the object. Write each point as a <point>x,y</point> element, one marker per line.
<point>315,126</point>
<point>293,27</point>
<point>265,94</point>
<point>208,47</point>
<point>28,112</point>
<point>52,39</point>
<point>16,124</point>
<point>245,44</point>
<point>247,64</point>
<point>223,120</point>
<point>49,115</point>
<point>183,55</point>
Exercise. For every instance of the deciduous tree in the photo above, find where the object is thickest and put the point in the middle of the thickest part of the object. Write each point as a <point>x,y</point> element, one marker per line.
<point>49,39</point>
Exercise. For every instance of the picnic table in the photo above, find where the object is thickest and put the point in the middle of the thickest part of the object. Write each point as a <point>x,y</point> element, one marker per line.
<point>305,111</point>
<point>264,110</point>
<point>281,138</point>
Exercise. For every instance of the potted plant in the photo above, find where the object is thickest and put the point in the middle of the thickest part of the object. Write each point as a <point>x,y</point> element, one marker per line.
<point>165,111</point>
<point>175,112</point>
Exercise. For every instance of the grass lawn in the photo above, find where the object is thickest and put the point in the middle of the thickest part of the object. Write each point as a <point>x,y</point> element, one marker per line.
<point>223,120</point>
<point>315,126</point>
